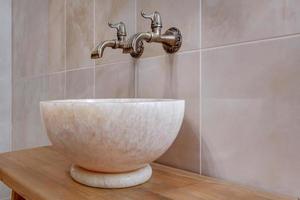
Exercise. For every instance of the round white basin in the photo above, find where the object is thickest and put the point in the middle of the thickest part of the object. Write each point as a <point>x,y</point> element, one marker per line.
<point>112,135</point>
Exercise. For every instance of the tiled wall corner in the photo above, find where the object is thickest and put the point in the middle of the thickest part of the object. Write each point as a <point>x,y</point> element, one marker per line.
<point>250,97</point>
<point>5,84</point>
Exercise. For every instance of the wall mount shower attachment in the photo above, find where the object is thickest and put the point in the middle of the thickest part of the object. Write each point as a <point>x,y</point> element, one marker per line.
<point>171,40</point>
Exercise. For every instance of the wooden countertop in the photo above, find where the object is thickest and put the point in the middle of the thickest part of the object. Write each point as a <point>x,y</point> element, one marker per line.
<point>43,174</point>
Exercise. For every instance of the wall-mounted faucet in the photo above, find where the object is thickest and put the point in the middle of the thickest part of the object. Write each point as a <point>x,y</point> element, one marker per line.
<point>120,42</point>
<point>171,39</point>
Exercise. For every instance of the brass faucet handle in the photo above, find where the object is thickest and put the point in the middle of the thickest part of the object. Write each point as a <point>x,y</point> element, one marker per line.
<point>121,28</point>
<point>154,17</point>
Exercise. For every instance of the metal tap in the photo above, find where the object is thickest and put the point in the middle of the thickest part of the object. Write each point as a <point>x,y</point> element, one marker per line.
<point>120,42</point>
<point>171,39</point>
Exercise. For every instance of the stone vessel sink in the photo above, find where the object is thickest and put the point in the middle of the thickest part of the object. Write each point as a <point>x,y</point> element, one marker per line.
<point>112,141</point>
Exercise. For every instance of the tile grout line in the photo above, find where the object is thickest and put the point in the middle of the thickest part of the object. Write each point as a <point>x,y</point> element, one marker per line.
<point>94,43</point>
<point>114,63</point>
<point>80,67</point>
<point>75,69</point>
<point>11,76</point>
<point>136,79</point>
<point>65,60</point>
<point>200,92</point>
<point>135,61</point>
<point>166,55</point>
<point>280,37</point>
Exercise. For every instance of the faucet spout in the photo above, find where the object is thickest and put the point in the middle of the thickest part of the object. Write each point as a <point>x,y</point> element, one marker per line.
<point>98,51</point>
<point>138,39</point>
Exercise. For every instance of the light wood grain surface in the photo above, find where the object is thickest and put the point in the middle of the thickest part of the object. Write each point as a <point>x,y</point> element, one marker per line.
<point>43,174</point>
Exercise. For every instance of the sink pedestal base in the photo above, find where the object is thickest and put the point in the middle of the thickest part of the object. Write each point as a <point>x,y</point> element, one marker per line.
<point>115,180</point>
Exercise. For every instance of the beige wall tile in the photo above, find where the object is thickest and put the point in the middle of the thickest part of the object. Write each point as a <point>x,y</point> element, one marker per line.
<point>115,81</point>
<point>292,16</point>
<point>225,22</point>
<point>176,77</point>
<point>80,83</point>
<point>174,13</point>
<point>29,38</point>
<point>27,129</point>
<point>251,114</point>
<point>113,11</point>
<point>56,36</point>
<point>80,33</point>
<point>55,86</point>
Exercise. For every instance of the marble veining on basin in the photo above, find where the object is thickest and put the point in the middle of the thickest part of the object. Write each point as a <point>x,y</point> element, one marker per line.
<point>112,135</point>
